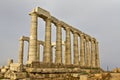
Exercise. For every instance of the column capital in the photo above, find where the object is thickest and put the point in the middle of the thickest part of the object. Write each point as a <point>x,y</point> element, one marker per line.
<point>21,38</point>
<point>87,38</point>
<point>93,40</point>
<point>97,42</point>
<point>75,32</point>
<point>82,35</point>
<point>58,24</point>
<point>67,28</point>
<point>47,19</point>
<point>33,13</point>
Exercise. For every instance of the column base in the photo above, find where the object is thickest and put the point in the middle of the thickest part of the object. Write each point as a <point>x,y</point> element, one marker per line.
<point>30,62</point>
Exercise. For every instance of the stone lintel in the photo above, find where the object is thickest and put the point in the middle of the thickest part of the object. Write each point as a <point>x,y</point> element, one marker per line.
<point>54,20</point>
<point>24,38</point>
<point>75,30</point>
<point>86,35</point>
<point>41,12</point>
<point>64,25</point>
<point>27,39</point>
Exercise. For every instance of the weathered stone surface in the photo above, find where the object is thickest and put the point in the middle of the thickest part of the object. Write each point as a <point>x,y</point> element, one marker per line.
<point>64,67</point>
<point>16,67</point>
<point>15,75</point>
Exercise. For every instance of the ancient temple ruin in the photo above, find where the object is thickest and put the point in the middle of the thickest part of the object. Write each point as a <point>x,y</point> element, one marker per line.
<point>89,56</point>
<point>85,51</point>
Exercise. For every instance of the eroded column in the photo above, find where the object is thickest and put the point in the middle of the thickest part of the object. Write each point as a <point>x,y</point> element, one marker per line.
<point>76,55</point>
<point>68,47</point>
<point>58,57</point>
<point>97,55</point>
<point>87,52</point>
<point>33,38</point>
<point>21,50</point>
<point>28,51</point>
<point>92,52</point>
<point>82,50</point>
<point>38,51</point>
<point>47,48</point>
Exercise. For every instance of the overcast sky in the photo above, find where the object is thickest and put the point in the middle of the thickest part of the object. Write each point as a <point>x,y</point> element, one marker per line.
<point>98,18</point>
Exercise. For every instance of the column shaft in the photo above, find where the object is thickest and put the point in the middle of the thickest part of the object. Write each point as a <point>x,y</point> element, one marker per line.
<point>93,53</point>
<point>58,57</point>
<point>87,52</point>
<point>47,48</point>
<point>82,50</point>
<point>76,55</point>
<point>38,51</point>
<point>28,51</point>
<point>97,56</point>
<point>21,50</point>
<point>68,47</point>
<point>33,38</point>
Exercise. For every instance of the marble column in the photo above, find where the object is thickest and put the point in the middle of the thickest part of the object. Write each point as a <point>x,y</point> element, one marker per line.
<point>68,47</point>
<point>21,50</point>
<point>47,48</point>
<point>93,53</point>
<point>64,53</point>
<point>38,51</point>
<point>33,38</point>
<point>82,50</point>
<point>53,49</point>
<point>87,52</point>
<point>58,57</point>
<point>75,46</point>
<point>28,51</point>
<point>97,55</point>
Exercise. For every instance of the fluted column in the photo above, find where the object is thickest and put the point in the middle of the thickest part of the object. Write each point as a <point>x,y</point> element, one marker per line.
<point>47,48</point>
<point>93,53</point>
<point>68,47</point>
<point>87,52</point>
<point>82,50</point>
<point>76,55</point>
<point>58,57</point>
<point>38,51</point>
<point>64,52</point>
<point>21,50</point>
<point>51,55</point>
<point>33,38</point>
<point>28,51</point>
<point>97,55</point>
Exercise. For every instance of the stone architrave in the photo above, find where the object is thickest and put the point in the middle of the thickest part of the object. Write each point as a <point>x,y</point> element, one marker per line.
<point>82,50</point>
<point>75,46</point>
<point>87,51</point>
<point>33,38</point>
<point>67,47</point>
<point>58,57</point>
<point>21,50</point>
<point>93,52</point>
<point>97,55</point>
<point>47,48</point>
